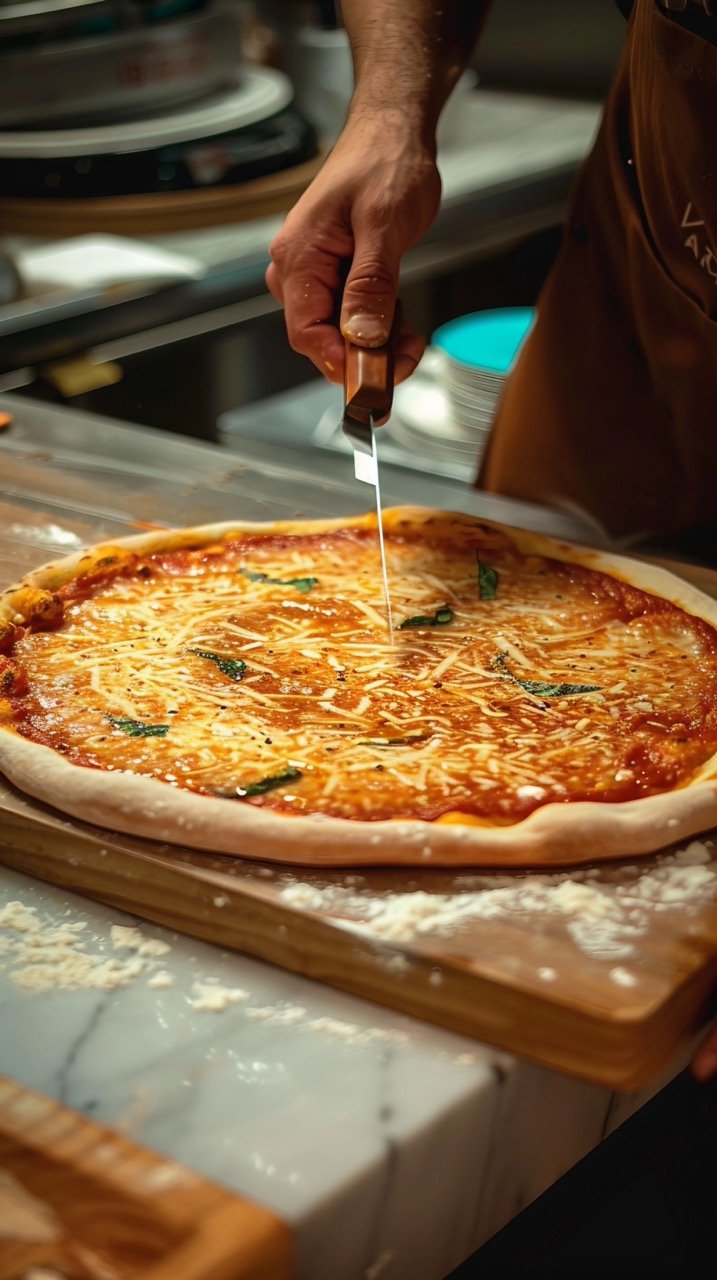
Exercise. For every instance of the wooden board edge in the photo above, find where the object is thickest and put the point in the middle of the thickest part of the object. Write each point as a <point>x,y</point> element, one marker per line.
<point>233,1243</point>
<point>225,1237</point>
<point>622,1054</point>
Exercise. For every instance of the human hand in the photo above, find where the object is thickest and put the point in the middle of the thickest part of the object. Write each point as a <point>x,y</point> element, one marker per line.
<point>375,196</point>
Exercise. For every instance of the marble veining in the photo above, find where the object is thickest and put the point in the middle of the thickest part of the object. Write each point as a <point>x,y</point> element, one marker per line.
<point>394,1148</point>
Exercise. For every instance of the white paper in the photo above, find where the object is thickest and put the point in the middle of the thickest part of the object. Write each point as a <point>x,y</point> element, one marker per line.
<point>99,261</point>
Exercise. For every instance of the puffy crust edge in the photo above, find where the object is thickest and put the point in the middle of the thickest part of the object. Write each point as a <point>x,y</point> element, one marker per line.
<point>553,836</point>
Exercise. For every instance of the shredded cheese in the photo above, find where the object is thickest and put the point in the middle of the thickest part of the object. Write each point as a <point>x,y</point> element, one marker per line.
<point>231,677</point>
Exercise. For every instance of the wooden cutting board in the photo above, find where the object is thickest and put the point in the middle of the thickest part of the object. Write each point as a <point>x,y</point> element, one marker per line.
<point>81,1201</point>
<point>517,980</point>
<point>514,977</point>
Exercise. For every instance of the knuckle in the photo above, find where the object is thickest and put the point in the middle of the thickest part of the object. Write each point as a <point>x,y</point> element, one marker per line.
<point>278,249</point>
<point>375,274</point>
<point>272,284</point>
<point>373,279</point>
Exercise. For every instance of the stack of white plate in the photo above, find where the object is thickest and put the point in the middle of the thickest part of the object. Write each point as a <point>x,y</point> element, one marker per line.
<point>447,407</point>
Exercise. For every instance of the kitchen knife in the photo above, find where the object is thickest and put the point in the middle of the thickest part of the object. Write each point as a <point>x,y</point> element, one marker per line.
<point>368,395</point>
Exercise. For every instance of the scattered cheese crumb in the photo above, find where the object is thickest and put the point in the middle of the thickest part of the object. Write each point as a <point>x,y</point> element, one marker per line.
<point>603,916</point>
<point>397,963</point>
<point>304,896</point>
<point>289,1015</point>
<point>335,1026</point>
<point>48,957</point>
<point>161,980</point>
<point>546,974</point>
<point>77,971</point>
<point>19,918</point>
<point>623,977</point>
<point>126,938</point>
<point>154,947</point>
<point>210,997</point>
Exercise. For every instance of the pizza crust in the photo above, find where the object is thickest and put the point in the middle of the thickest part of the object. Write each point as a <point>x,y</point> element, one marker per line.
<point>551,836</point>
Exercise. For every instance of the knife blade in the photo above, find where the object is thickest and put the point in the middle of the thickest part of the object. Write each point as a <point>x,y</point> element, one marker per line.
<point>368,396</point>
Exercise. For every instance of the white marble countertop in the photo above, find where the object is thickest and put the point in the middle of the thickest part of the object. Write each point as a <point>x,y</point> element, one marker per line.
<point>394,1149</point>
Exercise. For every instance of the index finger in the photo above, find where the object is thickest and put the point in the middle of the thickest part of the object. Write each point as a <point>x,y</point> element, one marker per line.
<point>309,302</point>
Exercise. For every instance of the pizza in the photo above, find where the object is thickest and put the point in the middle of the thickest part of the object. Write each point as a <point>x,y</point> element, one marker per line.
<point>235,688</point>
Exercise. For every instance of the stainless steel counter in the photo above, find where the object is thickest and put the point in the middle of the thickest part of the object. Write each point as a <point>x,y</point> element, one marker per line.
<point>68,478</point>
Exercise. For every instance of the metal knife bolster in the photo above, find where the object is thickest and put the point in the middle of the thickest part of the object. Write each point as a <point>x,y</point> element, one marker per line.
<point>368,395</point>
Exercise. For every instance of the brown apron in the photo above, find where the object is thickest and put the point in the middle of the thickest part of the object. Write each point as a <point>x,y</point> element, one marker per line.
<point>612,405</point>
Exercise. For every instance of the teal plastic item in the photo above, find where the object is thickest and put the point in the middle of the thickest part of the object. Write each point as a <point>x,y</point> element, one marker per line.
<point>487,340</point>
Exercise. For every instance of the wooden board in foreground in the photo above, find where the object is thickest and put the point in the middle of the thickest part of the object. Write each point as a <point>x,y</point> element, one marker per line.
<point>80,1201</point>
<point>487,979</point>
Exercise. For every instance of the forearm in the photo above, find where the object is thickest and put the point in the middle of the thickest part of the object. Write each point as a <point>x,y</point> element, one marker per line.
<point>380,188</point>
<point>408,54</point>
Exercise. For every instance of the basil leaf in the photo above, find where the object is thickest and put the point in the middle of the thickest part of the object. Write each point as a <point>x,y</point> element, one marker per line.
<point>137,728</point>
<point>438,619</point>
<point>232,667</point>
<point>547,690</point>
<point>268,784</point>
<point>487,581</point>
<point>542,688</point>
<point>301,584</point>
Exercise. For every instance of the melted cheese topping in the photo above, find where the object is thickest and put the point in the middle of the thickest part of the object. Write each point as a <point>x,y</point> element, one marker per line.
<point>260,669</point>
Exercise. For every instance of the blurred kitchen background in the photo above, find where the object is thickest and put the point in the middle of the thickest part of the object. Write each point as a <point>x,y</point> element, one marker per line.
<point>148,152</point>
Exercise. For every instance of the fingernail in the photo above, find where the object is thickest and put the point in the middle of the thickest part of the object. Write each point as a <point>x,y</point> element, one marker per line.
<point>368,330</point>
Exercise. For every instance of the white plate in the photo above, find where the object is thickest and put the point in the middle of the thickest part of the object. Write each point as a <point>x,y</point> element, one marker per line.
<point>99,262</point>
<point>262,93</point>
<point>435,447</point>
<point>426,409</point>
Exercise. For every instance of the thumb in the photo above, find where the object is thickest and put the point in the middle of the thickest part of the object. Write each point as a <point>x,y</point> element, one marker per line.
<point>369,297</point>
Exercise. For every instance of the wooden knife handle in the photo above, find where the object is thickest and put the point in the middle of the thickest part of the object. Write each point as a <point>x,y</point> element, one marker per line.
<point>369,373</point>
